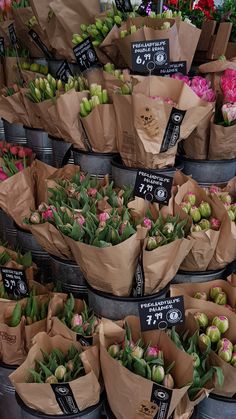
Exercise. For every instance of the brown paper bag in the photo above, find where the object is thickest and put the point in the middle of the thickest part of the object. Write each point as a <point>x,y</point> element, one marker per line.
<point>115,266</point>
<point>197,144</point>
<point>31,330</point>
<point>100,129</point>
<point>86,389</point>
<point>13,109</point>
<point>110,48</point>
<point>136,390</point>
<point>4,32</point>
<point>11,70</point>
<point>222,142</point>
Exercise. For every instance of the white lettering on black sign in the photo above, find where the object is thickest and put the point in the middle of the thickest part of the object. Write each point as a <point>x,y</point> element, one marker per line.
<point>153,187</point>
<point>148,56</point>
<point>85,55</point>
<point>15,282</point>
<point>172,132</point>
<point>64,72</point>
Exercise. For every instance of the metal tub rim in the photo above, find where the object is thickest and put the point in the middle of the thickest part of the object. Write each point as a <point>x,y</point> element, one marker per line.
<point>222,398</point>
<point>37,414</point>
<point>91,153</point>
<point>117,162</point>
<point>223,161</point>
<point>64,261</point>
<point>201,273</point>
<point>34,129</point>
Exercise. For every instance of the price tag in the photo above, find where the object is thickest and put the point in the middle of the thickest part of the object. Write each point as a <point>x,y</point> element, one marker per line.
<point>65,398</point>
<point>15,282</point>
<point>12,34</point>
<point>161,314</point>
<point>124,6</point>
<point>85,55</point>
<point>172,132</point>
<point>148,56</point>
<point>2,47</point>
<point>64,72</point>
<point>153,187</point>
<point>84,341</point>
<point>40,44</point>
<point>172,68</point>
<point>138,286</point>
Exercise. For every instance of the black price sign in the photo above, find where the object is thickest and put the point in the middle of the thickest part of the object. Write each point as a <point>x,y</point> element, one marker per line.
<point>124,6</point>
<point>172,132</point>
<point>35,37</point>
<point>138,286</point>
<point>64,72</point>
<point>85,55</point>
<point>2,47</point>
<point>148,56</point>
<point>153,187</point>
<point>12,34</point>
<point>161,314</point>
<point>65,398</point>
<point>172,68</point>
<point>15,282</point>
<point>84,341</point>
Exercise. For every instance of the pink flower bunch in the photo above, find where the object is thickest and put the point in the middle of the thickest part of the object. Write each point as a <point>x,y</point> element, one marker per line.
<point>48,214</point>
<point>228,85</point>
<point>5,5</point>
<point>199,85</point>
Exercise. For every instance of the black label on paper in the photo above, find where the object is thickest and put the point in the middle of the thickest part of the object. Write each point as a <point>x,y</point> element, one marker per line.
<point>12,34</point>
<point>161,314</point>
<point>172,132</point>
<point>153,187</point>
<point>172,68</point>
<point>2,47</point>
<point>65,398</point>
<point>85,55</point>
<point>124,6</point>
<point>40,43</point>
<point>84,340</point>
<point>15,282</point>
<point>148,56</point>
<point>64,72</point>
<point>162,398</point>
<point>138,287</point>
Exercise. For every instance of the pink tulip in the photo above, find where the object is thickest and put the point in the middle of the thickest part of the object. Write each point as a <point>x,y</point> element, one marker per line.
<point>215,224</point>
<point>147,223</point>
<point>14,150</point>
<point>82,177</point>
<point>214,189</point>
<point>92,192</point>
<point>103,217</point>
<point>80,219</point>
<point>19,166</point>
<point>76,320</point>
<point>48,214</point>
<point>180,76</point>
<point>3,175</point>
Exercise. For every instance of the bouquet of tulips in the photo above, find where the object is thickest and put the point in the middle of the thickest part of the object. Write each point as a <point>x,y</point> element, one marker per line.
<point>226,199</point>
<point>13,159</point>
<point>54,360</point>
<point>12,105</point>
<point>139,363</point>
<point>72,319</point>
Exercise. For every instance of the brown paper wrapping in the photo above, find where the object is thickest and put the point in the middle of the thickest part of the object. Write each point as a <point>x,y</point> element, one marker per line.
<point>29,272</point>
<point>110,48</point>
<point>12,348</point>
<point>40,326</point>
<point>40,10</point>
<point>4,31</point>
<point>100,129</point>
<point>11,71</point>
<point>13,109</point>
<point>2,75</point>
<point>115,266</point>
<point>86,389</point>
<point>197,144</point>
<point>205,242</point>
<point>222,142</point>
<point>136,390</point>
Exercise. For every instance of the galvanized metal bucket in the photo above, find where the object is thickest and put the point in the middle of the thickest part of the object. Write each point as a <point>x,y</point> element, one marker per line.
<point>94,412</point>
<point>96,164</point>
<point>68,277</point>
<point>210,171</point>
<point>39,142</point>
<point>40,61</point>
<point>62,154</point>
<point>126,176</point>
<point>117,308</point>
<point>8,230</point>
<point>2,132</point>
<point>201,276</point>
<point>14,133</point>
<point>215,407</point>
<point>28,243</point>
<point>53,66</point>
<point>8,404</point>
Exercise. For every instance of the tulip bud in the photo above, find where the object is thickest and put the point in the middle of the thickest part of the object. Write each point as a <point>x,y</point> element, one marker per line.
<point>195,214</point>
<point>234,348</point>
<point>205,209</point>
<point>226,198</point>
<point>195,228</point>
<point>168,228</point>
<point>60,372</point>
<point>35,218</point>
<point>224,343</point>
<point>233,359</point>
<point>152,352</point>
<point>137,352</point>
<point>221,322</point>
<point>213,333</point>
<point>202,319</point>
<point>200,296</point>
<point>191,198</point>
<point>221,299</point>
<point>205,339</point>
<point>225,354</point>
<point>114,350</point>
<point>196,359</point>
<point>140,367</point>
<point>76,320</point>
<point>214,292</point>
<point>37,93</point>
<point>205,224</point>
<point>214,189</point>
<point>158,374</point>
<point>147,223</point>
<point>168,381</point>
<point>51,380</point>
<point>186,206</point>
<point>215,224</point>
<point>231,215</point>
<point>70,365</point>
